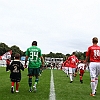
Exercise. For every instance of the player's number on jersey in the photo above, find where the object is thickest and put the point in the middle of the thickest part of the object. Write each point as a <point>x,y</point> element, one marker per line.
<point>96,53</point>
<point>15,69</point>
<point>34,56</point>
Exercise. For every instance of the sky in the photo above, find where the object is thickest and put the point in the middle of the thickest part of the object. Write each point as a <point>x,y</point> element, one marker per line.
<point>59,26</point>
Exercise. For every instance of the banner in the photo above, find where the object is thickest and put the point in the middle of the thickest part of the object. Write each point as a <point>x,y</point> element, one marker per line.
<point>7,55</point>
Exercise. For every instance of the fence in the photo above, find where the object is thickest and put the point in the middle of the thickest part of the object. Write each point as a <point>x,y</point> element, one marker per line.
<point>2,63</point>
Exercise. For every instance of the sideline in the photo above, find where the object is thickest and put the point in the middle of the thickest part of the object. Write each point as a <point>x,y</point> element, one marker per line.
<point>52,89</point>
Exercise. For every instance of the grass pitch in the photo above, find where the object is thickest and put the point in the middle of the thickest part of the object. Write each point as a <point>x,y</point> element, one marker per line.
<point>63,89</point>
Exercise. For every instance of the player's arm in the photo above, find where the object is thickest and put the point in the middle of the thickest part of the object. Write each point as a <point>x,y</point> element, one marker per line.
<point>26,59</point>
<point>85,67</point>
<point>65,62</point>
<point>42,60</point>
<point>21,66</point>
<point>87,58</point>
<point>87,61</point>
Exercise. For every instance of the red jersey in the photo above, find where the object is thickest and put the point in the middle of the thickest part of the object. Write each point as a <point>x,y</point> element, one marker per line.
<point>73,60</point>
<point>94,53</point>
<point>8,62</point>
<point>81,66</point>
<point>66,64</point>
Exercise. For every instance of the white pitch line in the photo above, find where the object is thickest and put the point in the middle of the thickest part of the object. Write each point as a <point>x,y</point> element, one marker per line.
<point>52,89</point>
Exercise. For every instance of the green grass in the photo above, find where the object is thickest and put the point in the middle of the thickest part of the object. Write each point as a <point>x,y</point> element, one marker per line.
<point>63,89</point>
<point>73,91</point>
<point>41,94</point>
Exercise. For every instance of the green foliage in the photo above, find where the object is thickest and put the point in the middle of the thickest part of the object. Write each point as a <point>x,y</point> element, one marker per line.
<point>15,49</point>
<point>3,48</point>
<point>80,55</point>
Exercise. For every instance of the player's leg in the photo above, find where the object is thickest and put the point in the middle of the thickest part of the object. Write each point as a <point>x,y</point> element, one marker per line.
<point>12,86</point>
<point>92,68</point>
<point>30,70</point>
<point>17,86</point>
<point>66,71</point>
<point>97,74</point>
<point>70,75</point>
<point>36,73</point>
<point>92,86</point>
<point>30,83</point>
<point>41,70</point>
<point>81,75</point>
<point>18,79</point>
<point>75,73</point>
<point>12,78</point>
<point>7,68</point>
<point>96,84</point>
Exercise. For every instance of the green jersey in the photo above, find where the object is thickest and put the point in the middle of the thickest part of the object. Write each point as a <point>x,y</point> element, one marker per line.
<point>34,54</point>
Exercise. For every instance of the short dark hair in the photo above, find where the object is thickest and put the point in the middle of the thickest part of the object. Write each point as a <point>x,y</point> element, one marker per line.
<point>95,40</point>
<point>82,61</point>
<point>17,56</point>
<point>73,53</point>
<point>34,43</point>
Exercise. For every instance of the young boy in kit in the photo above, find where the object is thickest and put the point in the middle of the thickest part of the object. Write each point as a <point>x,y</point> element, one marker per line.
<point>15,68</point>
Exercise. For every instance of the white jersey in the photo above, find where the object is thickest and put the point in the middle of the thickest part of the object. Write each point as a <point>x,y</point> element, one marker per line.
<point>81,66</point>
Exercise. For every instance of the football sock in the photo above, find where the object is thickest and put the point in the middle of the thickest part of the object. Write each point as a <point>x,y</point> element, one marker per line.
<point>17,86</point>
<point>67,72</point>
<point>71,78</point>
<point>36,80</point>
<point>96,83</point>
<point>93,87</point>
<point>30,82</point>
<point>12,83</point>
<point>80,77</point>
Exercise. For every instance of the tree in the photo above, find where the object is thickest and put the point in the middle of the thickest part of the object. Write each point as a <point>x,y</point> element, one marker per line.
<point>4,48</point>
<point>15,49</point>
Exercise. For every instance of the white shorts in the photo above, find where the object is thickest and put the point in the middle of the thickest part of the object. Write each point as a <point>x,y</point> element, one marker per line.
<point>66,69</point>
<point>94,68</point>
<point>71,70</point>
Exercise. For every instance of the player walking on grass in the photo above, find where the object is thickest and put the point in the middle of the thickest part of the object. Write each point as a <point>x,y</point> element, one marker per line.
<point>15,67</point>
<point>66,67</point>
<point>34,55</point>
<point>81,69</point>
<point>72,60</point>
<point>93,55</point>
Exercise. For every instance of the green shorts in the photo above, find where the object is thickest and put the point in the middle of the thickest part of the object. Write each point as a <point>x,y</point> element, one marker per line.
<point>33,71</point>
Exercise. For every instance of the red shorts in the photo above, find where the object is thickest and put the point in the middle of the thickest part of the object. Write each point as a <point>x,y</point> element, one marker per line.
<point>81,72</point>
